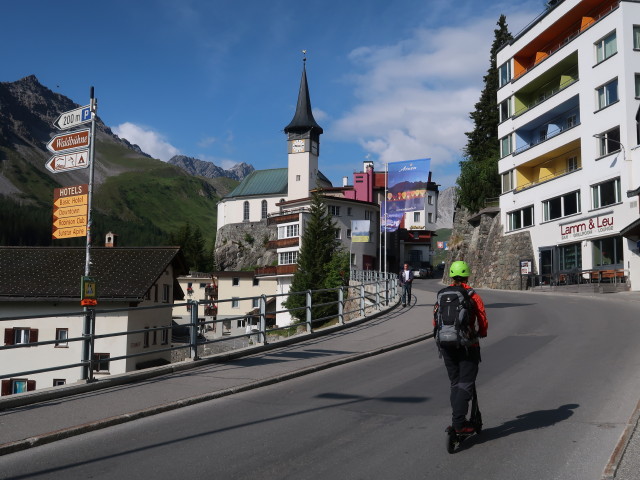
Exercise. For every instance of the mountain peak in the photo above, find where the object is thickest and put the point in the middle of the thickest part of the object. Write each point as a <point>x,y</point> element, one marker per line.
<point>206,169</point>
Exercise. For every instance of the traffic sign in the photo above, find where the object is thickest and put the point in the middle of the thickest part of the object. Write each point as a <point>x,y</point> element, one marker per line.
<point>70,232</point>
<point>68,161</point>
<point>69,141</point>
<point>74,211</point>
<point>76,200</point>
<point>80,221</point>
<point>73,118</point>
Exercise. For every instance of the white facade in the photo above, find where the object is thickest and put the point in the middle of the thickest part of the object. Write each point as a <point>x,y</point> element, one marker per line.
<point>568,136</point>
<point>65,352</point>
<point>247,209</point>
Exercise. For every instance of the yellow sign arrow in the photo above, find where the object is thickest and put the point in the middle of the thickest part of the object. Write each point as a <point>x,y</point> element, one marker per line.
<point>66,222</point>
<point>70,232</point>
<point>73,201</point>
<point>70,211</point>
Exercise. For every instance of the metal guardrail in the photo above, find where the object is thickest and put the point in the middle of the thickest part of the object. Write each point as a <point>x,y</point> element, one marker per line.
<point>368,293</point>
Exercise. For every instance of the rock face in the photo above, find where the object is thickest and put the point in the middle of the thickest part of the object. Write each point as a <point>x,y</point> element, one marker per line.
<point>193,166</point>
<point>494,258</point>
<point>446,205</point>
<point>243,246</point>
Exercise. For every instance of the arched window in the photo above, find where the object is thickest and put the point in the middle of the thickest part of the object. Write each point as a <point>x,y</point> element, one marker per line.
<point>264,209</point>
<point>245,212</point>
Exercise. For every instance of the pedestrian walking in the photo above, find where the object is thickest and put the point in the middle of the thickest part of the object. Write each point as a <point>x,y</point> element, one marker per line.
<point>406,279</point>
<point>459,320</point>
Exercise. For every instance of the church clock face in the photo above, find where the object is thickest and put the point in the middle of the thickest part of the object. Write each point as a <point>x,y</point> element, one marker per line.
<point>297,146</point>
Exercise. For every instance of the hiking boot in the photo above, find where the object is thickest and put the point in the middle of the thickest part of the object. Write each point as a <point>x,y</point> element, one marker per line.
<point>466,428</point>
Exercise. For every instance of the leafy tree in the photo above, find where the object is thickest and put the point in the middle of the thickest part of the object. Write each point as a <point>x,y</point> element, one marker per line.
<point>479,177</point>
<point>321,263</point>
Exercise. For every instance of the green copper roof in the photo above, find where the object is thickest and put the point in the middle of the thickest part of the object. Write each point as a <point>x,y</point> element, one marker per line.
<point>262,182</point>
<point>266,182</point>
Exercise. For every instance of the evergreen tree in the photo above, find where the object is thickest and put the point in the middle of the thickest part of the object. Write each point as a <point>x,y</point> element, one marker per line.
<point>193,246</point>
<point>479,177</point>
<point>321,264</point>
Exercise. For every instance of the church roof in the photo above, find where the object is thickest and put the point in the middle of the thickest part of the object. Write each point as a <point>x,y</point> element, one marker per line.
<point>262,182</point>
<point>266,182</point>
<point>303,120</point>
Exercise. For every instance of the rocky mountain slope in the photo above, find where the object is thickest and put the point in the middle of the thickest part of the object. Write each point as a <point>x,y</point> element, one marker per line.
<point>446,206</point>
<point>194,166</point>
<point>140,198</point>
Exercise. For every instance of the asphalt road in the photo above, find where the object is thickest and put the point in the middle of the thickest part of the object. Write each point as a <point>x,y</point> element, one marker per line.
<point>557,384</point>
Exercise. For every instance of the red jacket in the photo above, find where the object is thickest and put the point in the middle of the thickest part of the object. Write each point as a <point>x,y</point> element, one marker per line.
<point>479,320</point>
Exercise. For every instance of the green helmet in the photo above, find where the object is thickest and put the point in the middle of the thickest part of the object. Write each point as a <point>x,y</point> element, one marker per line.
<point>459,269</point>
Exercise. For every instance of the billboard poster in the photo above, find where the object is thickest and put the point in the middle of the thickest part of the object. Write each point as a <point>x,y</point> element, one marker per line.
<point>360,231</point>
<point>406,191</point>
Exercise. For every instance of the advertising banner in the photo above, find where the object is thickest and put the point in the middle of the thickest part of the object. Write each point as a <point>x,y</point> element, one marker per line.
<point>406,191</point>
<point>360,231</point>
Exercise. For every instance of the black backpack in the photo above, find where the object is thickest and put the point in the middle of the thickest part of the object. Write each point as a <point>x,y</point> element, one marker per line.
<point>453,317</point>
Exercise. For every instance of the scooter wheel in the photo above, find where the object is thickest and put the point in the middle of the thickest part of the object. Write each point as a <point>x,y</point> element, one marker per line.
<point>451,440</point>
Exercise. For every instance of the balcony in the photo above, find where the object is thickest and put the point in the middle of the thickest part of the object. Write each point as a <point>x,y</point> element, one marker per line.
<point>283,243</point>
<point>556,164</point>
<point>551,124</point>
<point>546,86</point>
<point>583,16</point>
<point>277,270</point>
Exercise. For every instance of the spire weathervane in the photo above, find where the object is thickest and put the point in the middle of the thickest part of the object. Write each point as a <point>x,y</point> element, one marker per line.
<point>304,56</point>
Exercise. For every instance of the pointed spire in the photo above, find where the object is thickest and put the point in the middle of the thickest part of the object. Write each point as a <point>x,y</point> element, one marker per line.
<point>303,120</point>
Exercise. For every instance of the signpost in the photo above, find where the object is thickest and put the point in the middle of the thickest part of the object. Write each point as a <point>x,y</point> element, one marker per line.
<point>70,208</point>
<point>73,118</point>
<point>66,162</point>
<point>69,141</point>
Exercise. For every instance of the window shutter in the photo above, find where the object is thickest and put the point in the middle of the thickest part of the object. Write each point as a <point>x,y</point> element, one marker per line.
<point>9,336</point>
<point>6,387</point>
<point>31,385</point>
<point>33,335</point>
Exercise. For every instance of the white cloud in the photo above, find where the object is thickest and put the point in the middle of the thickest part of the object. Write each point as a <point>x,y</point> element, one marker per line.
<point>151,142</point>
<point>414,97</point>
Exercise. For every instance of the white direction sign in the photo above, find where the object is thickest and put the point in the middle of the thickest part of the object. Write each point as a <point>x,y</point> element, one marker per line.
<point>68,161</point>
<point>73,118</point>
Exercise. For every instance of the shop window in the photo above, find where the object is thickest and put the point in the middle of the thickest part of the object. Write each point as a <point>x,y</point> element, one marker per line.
<point>606,193</point>
<point>570,256</point>
<point>522,218</point>
<point>562,206</point>
<point>607,252</point>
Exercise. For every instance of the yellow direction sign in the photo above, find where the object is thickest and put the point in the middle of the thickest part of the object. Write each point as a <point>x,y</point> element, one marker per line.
<point>70,207</point>
<point>69,232</point>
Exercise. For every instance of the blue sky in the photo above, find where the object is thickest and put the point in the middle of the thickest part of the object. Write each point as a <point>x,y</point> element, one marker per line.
<point>218,80</point>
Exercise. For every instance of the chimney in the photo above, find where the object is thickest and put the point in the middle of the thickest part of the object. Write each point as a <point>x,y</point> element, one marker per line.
<point>368,164</point>
<point>111,240</point>
<point>345,181</point>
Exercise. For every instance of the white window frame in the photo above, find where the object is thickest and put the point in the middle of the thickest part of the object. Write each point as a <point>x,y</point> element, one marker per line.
<point>504,74</point>
<point>516,219</point>
<point>504,110</point>
<point>508,181</point>
<point>416,217</point>
<point>21,335</point>
<point>288,231</point>
<point>572,164</point>
<point>506,145</point>
<point>596,193</point>
<point>334,210</point>
<point>546,206</point>
<point>263,210</point>
<point>603,142</point>
<point>62,334</point>
<point>288,258</point>
<point>603,47</point>
<point>606,94</point>
<point>235,302</point>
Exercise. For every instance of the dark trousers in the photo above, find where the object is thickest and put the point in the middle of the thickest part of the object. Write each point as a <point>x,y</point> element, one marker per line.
<point>406,293</point>
<point>462,368</point>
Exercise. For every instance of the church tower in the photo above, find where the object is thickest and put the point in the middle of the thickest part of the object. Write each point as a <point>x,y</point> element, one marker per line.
<point>303,141</point>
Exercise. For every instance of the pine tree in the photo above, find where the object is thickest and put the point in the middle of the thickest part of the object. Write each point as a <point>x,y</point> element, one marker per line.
<point>479,178</point>
<point>320,262</point>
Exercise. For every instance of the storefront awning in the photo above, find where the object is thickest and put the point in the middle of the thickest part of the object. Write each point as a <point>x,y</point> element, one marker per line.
<point>631,231</point>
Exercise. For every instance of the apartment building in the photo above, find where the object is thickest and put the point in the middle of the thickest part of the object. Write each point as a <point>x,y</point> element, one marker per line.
<point>568,98</point>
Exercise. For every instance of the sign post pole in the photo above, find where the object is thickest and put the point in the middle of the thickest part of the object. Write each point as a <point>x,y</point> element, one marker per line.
<point>89,322</point>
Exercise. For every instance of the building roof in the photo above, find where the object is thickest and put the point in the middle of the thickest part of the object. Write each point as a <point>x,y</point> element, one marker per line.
<point>266,182</point>
<point>303,120</point>
<point>54,273</point>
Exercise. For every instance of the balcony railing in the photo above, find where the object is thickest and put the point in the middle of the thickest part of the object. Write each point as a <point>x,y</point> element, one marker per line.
<point>547,94</point>
<point>542,139</point>
<point>546,178</point>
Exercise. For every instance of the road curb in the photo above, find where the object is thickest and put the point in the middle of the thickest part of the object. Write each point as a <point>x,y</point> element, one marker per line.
<point>621,447</point>
<point>50,437</point>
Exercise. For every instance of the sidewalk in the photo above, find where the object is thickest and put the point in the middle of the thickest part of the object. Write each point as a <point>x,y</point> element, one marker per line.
<point>33,419</point>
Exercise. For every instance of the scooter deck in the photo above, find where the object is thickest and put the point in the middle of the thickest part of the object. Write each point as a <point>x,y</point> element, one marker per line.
<point>454,440</point>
